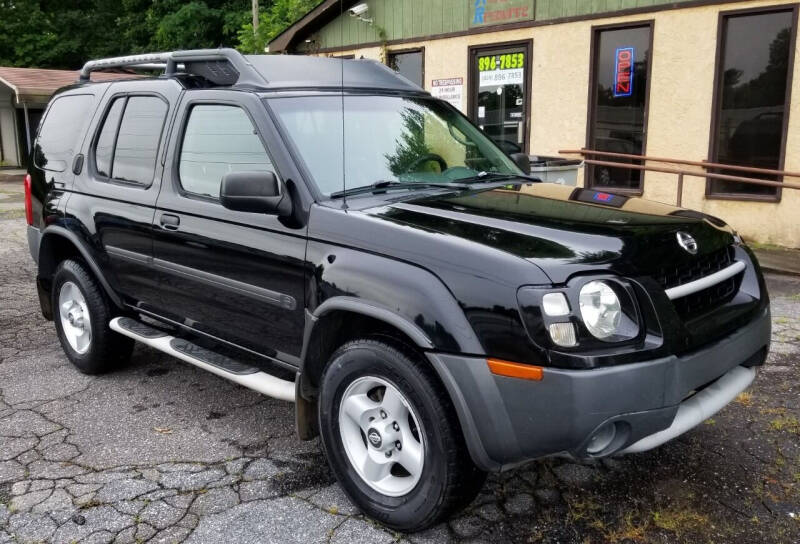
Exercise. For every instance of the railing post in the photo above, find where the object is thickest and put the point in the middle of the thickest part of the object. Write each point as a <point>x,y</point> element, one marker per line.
<point>680,189</point>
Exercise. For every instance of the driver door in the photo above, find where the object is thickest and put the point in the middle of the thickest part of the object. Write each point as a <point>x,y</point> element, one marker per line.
<point>234,275</point>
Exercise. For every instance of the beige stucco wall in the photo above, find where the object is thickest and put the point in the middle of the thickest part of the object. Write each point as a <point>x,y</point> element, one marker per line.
<point>681,90</point>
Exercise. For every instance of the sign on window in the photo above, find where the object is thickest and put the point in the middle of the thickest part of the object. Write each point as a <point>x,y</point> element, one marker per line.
<point>623,72</point>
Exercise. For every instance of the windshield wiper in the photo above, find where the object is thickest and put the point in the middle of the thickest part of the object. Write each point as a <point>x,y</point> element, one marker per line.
<point>489,177</point>
<point>382,185</point>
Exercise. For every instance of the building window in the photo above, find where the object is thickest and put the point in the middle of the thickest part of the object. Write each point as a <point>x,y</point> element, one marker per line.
<point>410,64</point>
<point>500,93</point>
<point>751,97</point>
<point>618,101</point>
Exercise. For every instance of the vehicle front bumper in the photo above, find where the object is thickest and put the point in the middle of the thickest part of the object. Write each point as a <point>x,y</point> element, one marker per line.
<point>507,421</point>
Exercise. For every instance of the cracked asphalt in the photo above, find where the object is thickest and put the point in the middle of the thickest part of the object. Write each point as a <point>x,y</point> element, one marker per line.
<point>162,452</point>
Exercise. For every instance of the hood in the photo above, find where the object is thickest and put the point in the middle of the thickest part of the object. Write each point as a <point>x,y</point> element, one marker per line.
<point>565,230</point>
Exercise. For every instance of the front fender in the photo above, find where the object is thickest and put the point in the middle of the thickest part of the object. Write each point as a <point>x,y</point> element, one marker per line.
<point>404,295</point>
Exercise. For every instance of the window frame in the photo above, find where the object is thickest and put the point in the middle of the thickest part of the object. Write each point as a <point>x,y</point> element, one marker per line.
<point>717,98</point>
<point>96,175</point>
<point>392,52</point>
<point>473,82</point>
<point>591,114</point>
<point>181,135</point>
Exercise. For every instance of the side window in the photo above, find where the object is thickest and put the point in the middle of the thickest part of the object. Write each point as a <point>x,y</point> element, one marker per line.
<point>104,149</point>
<point>60,132</point>
<point>218,139</point>
<point>138,139</point>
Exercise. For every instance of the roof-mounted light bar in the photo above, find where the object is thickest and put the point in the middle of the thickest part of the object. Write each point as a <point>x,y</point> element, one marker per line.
<point>219,66</point>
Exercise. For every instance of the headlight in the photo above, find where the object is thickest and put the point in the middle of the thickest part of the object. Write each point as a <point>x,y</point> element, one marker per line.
<point>600,309</point>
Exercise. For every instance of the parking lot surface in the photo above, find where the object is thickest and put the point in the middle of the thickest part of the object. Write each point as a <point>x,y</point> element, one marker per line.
<point>160,451</point>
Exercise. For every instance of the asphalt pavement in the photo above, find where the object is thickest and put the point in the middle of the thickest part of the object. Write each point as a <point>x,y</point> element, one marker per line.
<point>160,451</point>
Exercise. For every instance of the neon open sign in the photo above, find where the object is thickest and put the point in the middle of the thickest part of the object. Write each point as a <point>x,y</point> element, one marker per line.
<point>623,72</point>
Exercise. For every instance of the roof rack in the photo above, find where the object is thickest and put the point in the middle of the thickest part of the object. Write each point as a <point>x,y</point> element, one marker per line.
<point>219,66</point>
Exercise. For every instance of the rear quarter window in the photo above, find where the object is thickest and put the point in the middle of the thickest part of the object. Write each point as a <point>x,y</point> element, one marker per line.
<point>60,134</point>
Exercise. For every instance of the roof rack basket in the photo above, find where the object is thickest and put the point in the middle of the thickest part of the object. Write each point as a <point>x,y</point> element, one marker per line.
<point>219,66</point>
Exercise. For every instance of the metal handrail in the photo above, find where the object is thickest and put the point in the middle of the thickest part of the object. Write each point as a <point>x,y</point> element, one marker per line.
<point>685,172</point>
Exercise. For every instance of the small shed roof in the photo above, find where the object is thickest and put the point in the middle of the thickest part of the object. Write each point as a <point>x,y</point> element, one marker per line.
<point>36,85</point>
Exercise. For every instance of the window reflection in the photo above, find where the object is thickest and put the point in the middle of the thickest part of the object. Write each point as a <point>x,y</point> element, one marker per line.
<point>386,138</point>
<point>753,79</point>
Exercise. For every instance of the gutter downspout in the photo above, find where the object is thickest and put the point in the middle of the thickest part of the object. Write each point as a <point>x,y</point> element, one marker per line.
<point>27,127</point>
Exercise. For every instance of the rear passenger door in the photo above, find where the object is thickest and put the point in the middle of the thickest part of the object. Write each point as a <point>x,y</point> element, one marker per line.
<point>233,275</point>
<point>116,191</point>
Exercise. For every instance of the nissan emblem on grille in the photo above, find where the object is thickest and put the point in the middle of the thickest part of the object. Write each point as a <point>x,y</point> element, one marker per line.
<point>687,242</point>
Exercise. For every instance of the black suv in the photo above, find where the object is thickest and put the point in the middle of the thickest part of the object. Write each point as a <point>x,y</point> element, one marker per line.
<point>325,232</point>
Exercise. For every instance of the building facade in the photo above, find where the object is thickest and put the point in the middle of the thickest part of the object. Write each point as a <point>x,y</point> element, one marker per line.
<point>696,80</point>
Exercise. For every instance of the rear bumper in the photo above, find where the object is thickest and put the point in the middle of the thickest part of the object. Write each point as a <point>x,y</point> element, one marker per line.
<point>507,421</point>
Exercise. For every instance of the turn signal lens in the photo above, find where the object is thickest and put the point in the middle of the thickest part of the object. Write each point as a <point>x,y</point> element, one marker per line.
<point>515,370</point>
<point>555,304</point>
<point>563,334</point>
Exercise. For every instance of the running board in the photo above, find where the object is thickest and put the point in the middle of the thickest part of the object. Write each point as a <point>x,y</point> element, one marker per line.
<point>213,362</point>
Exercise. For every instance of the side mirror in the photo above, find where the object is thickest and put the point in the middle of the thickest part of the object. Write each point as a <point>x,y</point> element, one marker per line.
<point>255,192</point>
<point>523,161</point>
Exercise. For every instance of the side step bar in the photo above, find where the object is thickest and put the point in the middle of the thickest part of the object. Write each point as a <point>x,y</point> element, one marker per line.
<point>213,362</point>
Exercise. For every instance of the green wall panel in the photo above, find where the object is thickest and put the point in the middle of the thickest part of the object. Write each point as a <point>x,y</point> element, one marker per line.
<point>408,19</point>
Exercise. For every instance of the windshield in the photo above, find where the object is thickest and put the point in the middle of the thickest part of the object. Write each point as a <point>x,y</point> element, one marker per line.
<point>386,139</point>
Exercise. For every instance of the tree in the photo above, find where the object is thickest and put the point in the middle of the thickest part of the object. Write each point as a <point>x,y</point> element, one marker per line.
<point>273,20</point>
<point>67,33</point>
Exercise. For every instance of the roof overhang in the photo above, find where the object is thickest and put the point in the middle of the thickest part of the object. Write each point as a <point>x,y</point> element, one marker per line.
<point>311,22</point>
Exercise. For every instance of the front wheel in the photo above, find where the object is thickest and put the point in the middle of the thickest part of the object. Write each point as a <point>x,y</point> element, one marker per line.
<point>392,437</point>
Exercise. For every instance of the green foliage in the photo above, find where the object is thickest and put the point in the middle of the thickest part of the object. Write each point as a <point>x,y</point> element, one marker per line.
<point>271,22</point>
<point>66,33</point>
<point>193,26</point>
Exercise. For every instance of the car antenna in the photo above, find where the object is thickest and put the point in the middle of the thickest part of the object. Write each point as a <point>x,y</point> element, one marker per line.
<point>341,64</point>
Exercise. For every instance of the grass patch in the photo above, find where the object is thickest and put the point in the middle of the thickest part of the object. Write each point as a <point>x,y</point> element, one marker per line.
<point>788,423</point>
<point>745,398</point>
<point>630,530</point>
<point>766,246</point>
<point>679,521</point>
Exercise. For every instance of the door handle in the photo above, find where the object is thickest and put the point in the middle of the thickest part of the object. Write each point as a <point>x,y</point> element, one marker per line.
<point>170,222</point>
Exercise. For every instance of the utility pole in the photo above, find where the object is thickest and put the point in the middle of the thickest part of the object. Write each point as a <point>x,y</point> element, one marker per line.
<point>255,16</point>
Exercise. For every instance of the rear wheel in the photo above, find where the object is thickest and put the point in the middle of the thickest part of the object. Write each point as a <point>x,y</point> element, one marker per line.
<point>81,316</point>
<point>392,437</point>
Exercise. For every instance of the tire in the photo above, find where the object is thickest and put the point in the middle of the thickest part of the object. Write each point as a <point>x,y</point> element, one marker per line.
<point>96,348</point>
<point>407,500</point>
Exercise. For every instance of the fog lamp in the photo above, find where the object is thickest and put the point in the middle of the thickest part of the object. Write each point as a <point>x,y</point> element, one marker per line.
<point>563,334</point>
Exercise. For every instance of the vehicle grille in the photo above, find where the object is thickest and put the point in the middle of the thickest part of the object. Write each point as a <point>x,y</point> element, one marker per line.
<point>699,303</point>
<point>700,267</point>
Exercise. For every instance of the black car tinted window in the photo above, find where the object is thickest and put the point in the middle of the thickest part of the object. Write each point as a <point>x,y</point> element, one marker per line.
<point>104,149</point>
<point>218,140</point>
<point>60,132</point>
<point>138,139</point>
